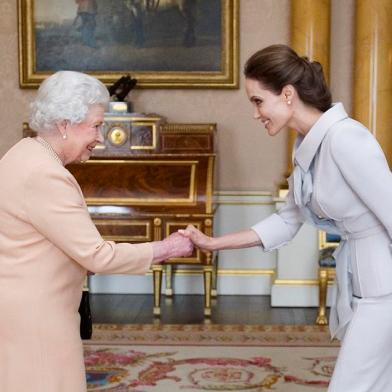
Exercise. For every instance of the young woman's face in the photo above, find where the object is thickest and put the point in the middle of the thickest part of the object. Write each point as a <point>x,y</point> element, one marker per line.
<point>273,110</point>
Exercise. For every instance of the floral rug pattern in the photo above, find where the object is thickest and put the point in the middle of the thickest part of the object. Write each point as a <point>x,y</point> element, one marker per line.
<point>144,358</point>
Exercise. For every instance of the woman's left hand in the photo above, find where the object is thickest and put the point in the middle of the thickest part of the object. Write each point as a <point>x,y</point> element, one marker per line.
<point>199,239</point>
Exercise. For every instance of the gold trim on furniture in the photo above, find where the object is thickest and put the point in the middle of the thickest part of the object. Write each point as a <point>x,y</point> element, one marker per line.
<point>296,282</point>
<point>85,284</point>
<point>188,128</point>
<point>121,222</point>
<point>226,272</point>
<point>245,203</point>
<point>225,77</point>
<point>109,117</point>
<point>191,200</point>
<point>168,280</point>
<point>242,193</point>
<point>323,243</point>
<point>210,175</point>
<point>153,131</point>
<point>326,276</point>
<point>117,136</point>
<point>157,229</point>
<point>207,278</point>
<point>250,198</point>
<point>123,238</point>
<point>157,273</point>
<point>283,193</point>
<point>245,272</point>
<point>119,106</point>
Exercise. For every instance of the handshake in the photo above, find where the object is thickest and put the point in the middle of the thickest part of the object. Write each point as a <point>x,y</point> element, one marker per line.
<point>180,244</point>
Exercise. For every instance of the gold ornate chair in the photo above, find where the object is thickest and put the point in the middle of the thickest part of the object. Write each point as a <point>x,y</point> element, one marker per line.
<point>327,264</point>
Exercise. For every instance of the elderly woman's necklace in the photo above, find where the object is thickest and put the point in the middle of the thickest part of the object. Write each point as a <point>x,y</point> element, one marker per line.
<point>49,148</point>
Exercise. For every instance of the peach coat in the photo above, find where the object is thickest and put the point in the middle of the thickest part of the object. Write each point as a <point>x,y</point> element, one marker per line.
<point>47,242</point>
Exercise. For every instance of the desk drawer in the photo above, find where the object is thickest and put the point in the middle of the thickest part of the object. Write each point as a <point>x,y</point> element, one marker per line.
<point>124,230</point>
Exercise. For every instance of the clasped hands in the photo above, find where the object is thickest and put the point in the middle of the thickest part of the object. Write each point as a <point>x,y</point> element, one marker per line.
<point>181,244</point>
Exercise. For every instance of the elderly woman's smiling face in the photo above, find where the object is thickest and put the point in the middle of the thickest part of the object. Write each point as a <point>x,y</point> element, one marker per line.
<point>83,137</point>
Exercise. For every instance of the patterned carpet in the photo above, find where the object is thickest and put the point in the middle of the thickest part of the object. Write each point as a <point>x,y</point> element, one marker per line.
<point>171,358</point>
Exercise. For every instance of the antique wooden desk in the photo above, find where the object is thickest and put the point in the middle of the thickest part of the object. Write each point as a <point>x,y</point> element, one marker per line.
<point>149,179</point>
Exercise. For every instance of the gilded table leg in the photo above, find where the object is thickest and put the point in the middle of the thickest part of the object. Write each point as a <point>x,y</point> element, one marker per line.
<point>214,291</point>
<point>157,272</point>
<point>168,278</point>
<point>323,282</point>
<point>207,273</point>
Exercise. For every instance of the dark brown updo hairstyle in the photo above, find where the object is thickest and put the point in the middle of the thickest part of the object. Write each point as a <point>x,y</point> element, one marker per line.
<point>277,66</point>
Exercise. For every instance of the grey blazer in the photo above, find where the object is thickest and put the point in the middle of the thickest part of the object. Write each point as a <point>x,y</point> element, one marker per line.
<point>342,183</point>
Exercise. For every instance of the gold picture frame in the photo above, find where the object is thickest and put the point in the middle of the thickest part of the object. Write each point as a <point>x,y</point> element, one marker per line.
<point>47,45</point>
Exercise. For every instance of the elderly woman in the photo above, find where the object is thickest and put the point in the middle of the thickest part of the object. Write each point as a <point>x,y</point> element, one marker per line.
<point>48,241</point>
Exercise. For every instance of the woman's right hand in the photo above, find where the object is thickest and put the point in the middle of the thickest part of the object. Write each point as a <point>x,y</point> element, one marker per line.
<point>198,238</point>
<point>175,245</point>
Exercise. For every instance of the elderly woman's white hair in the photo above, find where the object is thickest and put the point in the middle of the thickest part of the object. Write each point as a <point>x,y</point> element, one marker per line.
<point>66,95</point>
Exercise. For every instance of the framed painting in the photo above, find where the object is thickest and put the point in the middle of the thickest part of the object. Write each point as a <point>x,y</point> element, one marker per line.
<point>161,43</point>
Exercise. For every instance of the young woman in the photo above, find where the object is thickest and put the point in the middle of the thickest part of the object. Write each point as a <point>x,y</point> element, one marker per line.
<point>341,183</point>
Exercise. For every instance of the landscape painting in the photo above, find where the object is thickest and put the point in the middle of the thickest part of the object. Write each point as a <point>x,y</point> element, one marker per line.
<point>163,43</point>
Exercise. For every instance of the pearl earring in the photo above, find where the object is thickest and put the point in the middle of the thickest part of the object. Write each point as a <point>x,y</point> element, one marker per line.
<point>288,102</point>
<point>64,136</point>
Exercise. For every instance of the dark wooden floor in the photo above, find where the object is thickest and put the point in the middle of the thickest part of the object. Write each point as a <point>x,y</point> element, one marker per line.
<point>188,309</point>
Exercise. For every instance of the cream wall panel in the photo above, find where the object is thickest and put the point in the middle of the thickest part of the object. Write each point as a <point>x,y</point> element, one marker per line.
<point>294,295</point>
<point>121,284</point>
<point>295,281</point>
<point>236,213</point>
<point>298,259</point>
<point>302,295</point>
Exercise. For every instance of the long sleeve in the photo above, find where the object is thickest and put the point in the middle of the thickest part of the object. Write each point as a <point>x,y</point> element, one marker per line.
<point>362,163</point>
<point>279,228</point>
<point>55,206</point>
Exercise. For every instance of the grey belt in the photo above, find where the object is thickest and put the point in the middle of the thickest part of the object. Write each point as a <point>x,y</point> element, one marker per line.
<point>341,311</point>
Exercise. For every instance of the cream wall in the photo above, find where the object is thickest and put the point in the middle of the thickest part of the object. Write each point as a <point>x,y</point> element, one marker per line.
<point>248,158</point>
